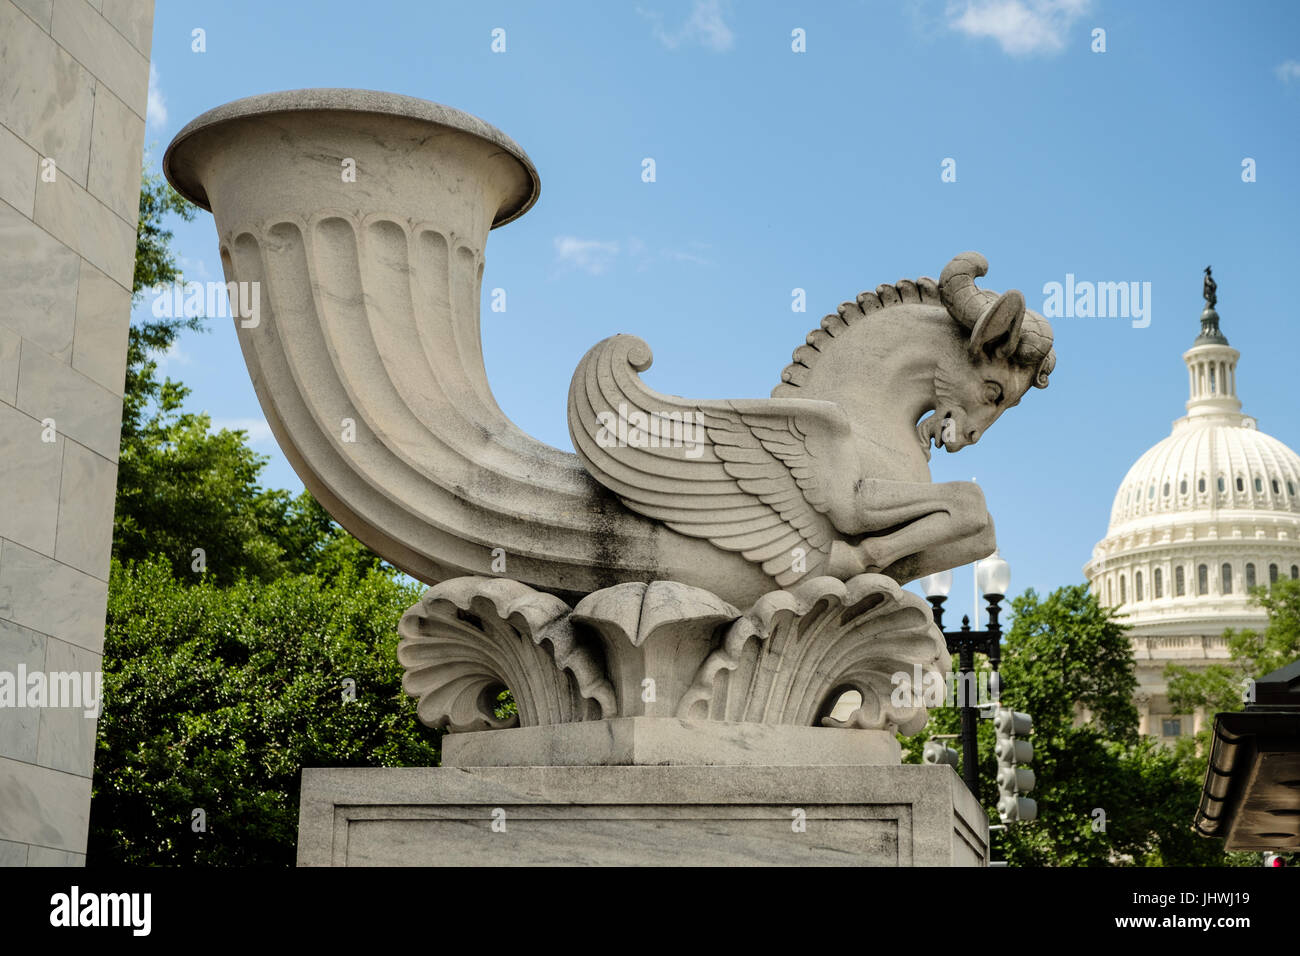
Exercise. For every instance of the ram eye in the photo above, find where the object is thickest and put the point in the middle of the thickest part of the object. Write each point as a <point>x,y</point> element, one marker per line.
<point>993,393</point>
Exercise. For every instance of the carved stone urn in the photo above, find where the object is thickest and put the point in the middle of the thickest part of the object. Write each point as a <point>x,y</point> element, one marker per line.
<point>704,582</point>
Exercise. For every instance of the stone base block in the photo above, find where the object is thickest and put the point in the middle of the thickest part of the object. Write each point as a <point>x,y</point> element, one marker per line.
<point>640,816</point>
<point>650,741</point>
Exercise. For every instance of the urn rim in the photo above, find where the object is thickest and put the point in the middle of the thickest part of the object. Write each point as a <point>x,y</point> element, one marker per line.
<point>179,172</point>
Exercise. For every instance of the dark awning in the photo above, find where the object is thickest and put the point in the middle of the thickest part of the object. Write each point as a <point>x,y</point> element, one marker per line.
<point>1251,796</point>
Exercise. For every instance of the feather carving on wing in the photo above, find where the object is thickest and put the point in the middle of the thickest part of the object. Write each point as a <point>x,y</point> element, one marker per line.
<point>747,475</point>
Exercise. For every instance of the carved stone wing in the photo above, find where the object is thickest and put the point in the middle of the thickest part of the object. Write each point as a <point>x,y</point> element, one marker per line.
<point>748,476</point>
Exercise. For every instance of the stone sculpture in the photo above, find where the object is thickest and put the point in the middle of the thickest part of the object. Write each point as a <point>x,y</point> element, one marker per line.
<point>368,361</point>
<point>705,579</point>
<point>827,476</point>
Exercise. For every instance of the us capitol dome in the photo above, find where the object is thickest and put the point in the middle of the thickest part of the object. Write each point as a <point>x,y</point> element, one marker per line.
<point>1201,518</point>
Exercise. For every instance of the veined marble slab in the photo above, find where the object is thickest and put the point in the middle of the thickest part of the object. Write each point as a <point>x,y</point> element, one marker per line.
<point>913,815</point>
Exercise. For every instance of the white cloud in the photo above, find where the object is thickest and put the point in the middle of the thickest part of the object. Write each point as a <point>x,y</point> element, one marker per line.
<point>590,255</point>
<point>194,269</point>
<point>705,25</point>
<point>155,111</point>
<point>639,253</point>
<point>692,252</point>
<point>596,256</point>
<point>1019,26</point>
<point>259,432</point>
<point>1289,72</point>
<point>172,356</point>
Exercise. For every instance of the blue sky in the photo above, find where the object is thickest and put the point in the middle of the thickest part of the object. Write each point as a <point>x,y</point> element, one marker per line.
<point>821,170</point>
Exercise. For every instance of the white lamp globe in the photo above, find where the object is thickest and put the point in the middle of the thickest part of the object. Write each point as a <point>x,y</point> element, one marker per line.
<point>993,576</point>
<point>937,585</point>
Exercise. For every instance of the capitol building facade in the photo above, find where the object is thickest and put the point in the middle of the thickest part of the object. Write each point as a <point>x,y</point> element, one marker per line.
<point>1200,519</point>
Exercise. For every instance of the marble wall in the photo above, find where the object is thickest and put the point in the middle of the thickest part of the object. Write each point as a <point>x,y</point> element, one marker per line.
<point>74,77</point>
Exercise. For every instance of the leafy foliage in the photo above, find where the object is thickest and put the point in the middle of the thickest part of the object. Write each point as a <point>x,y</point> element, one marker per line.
<point>222,683</point>
<point>216,697</point>
<point>182,486</point>
<point>155,265</point>
<point>1068,655</point>
<point>1219,687</point>
<point>1067,662</point>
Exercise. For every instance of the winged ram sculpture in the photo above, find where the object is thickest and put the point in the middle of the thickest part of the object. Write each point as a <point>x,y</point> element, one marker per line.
<point>367,359</point>
<point>696,544</point>
<point>830,475</point>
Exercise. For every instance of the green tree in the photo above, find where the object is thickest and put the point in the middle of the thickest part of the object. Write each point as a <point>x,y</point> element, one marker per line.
<point>193,496</point>
<point>220,686</point>
<point>155,262</point>
<point>1067,656</point>
<point>217,696</point>
<point>1219,687</point>
<point>1067,662</point>
<point>155,266</point>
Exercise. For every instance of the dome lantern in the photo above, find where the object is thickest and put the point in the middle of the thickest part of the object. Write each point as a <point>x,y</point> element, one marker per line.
<point>1212,363</point>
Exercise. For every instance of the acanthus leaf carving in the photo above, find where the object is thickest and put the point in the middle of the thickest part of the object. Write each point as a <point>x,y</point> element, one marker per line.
<point>668,650</point>
<point>655,636</point>
<point>468,638</point>
<point>791,656</point>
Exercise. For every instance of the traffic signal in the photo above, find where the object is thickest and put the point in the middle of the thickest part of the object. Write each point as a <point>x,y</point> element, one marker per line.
<point>936,751</point>
<point>1013,752</point>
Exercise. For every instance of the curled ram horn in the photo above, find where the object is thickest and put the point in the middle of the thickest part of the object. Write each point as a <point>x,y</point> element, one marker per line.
<point>992,319</point>
<point>1020,333</point>
<point>957,290</point>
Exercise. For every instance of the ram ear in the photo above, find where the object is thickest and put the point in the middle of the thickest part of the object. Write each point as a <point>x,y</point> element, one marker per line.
<point>998,328</point>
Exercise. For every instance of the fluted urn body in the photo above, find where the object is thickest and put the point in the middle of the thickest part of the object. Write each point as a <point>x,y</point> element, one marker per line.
<point>363,219</point>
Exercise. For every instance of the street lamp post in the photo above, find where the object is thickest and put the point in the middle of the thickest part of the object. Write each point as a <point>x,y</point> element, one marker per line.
<point>993,577</point>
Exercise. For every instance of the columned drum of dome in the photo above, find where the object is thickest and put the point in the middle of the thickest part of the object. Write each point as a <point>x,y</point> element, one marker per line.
<point>1201,517</point>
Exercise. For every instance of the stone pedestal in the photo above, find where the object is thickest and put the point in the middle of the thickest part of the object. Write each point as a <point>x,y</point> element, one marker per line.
<point>640,816</point>
<point>659,727</point>
<point>656,741</point>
